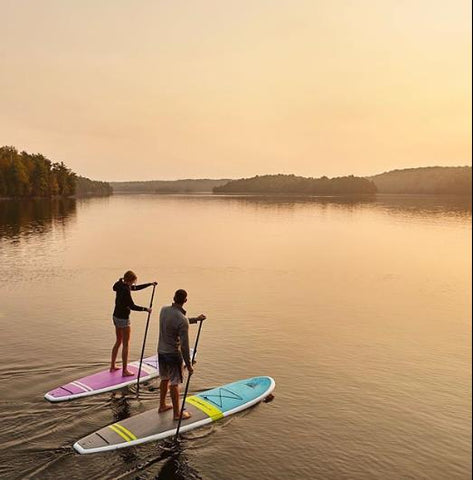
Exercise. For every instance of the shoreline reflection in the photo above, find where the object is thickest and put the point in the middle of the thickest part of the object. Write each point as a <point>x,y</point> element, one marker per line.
<point>24,218</point>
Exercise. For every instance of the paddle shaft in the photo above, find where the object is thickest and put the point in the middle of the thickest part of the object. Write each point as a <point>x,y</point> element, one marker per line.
<point>144,344</point>
<point>188,382</point>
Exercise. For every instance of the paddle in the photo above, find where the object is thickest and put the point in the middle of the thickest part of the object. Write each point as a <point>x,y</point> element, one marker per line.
<point>188,382</point>
<point>144,343</point>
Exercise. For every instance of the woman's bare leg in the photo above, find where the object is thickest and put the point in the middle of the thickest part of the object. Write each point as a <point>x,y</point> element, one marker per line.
<point>118,342</point>
<point>126,344</point>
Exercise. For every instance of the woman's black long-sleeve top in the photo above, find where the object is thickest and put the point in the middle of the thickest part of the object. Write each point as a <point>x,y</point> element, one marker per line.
<point>123,301</point>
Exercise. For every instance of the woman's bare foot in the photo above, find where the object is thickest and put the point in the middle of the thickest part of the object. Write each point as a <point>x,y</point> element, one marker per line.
<point>165,408</point>
<point>114,369</point>
<point>127,373</point>
<point>185,415</point>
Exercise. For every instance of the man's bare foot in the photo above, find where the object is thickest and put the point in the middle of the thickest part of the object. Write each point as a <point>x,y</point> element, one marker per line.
<point>165,408</point>
<point>185,415</point>
<point>127,373</point>
<point>114,369</point>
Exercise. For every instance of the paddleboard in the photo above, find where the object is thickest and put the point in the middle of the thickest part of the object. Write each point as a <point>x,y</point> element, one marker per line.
<point>205,407</point>
<point>105,381</point>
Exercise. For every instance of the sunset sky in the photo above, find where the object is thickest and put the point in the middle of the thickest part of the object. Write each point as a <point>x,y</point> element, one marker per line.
<point>154,89</point>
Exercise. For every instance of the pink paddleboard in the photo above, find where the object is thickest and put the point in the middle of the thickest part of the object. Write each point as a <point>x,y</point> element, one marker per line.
<point>105,381</point>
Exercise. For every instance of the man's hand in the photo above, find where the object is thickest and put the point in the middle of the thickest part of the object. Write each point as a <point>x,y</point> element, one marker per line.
<point>201,317</point>
<point>190,370</point>
<point>154,283</point>
<point>149,310</point>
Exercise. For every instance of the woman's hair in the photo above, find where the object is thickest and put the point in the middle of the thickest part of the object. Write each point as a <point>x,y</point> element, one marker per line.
<point>129,276</point>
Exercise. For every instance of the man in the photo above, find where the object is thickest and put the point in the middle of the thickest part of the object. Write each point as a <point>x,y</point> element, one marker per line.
<point>173,349</point>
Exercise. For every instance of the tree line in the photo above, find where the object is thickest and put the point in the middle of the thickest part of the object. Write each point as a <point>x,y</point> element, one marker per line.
<point>426,180</point>
<point>292,184</point>
<point>33,175</point>
<point>199,185</point>
<point>86,186</point>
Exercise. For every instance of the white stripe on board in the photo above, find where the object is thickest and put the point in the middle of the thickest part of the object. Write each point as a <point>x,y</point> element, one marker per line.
<point>79,386</point>
<point>82,385</point>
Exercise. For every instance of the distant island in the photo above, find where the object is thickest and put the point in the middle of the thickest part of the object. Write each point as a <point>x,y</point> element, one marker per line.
<point>292,184</point>
<point>27,175</point>
<point>203,185</point>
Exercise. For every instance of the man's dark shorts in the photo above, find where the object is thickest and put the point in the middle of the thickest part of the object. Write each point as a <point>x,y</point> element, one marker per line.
<point>170,367</point>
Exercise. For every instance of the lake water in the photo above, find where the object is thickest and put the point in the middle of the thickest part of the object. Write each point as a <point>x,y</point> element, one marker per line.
<point>360,310</point>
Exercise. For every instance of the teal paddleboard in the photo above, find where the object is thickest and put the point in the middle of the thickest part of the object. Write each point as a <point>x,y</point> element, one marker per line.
<point>205,407</point>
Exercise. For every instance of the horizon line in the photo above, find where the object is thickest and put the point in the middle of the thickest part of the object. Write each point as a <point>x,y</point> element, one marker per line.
<point>279,173</point>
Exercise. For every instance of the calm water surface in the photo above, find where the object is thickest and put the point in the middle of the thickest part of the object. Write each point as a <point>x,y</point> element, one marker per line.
<point>360,310</point>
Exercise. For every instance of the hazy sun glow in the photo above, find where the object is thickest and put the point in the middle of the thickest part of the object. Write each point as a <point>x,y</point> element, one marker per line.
<point>124,90</point>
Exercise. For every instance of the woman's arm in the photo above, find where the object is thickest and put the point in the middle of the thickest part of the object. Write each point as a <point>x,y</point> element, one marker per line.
<point>140,287</point>
<point>131,304</point>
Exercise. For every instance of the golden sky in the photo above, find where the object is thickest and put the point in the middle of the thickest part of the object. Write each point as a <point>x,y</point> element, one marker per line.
<point>154,89</point>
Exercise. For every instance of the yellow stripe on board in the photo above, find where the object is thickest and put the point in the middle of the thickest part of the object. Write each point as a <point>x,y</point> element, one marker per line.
<point>119,432</point>
<point>213,412</point>
<point>125,431</point>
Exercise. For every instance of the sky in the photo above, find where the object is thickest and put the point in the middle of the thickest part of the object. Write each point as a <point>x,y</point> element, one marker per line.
<point>154,89</point>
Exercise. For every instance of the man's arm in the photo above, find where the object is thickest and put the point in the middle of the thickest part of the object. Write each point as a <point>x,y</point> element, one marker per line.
<point>184,340</point>
<point>200,318</point>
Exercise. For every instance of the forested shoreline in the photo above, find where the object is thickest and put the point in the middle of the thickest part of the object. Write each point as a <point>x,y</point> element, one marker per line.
<point>24,175</point>
<point>198,185</point>
<point>425,180</point>
<point>410,181</point>
<point>87,187</point>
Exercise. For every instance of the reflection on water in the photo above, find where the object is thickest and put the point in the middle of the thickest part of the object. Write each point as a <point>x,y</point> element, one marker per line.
<point>120,406</point>
<point>23,218</point>
<point>438,206</point>
<point>405,205</point>
<point>360,308</point>
<point>177,467</point>
<point>289,201</point>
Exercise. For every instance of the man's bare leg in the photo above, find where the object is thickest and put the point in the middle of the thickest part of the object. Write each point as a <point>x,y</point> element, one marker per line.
<point>175,403</point>
<point>163,390</point>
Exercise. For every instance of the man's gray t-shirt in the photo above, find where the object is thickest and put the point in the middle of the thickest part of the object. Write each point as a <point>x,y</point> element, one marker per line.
<point>174,331</point>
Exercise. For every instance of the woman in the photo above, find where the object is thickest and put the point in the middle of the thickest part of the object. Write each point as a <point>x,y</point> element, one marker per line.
<point>121,317</point>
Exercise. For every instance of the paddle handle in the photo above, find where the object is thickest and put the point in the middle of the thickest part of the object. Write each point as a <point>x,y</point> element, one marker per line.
<point>144,344</point>
<point>188,382</point>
